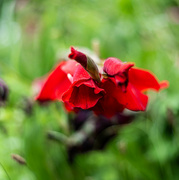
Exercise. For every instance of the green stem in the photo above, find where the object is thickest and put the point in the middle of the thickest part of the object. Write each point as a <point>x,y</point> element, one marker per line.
<point>57,136</point>
<point>87,129</point>
<point>5,171</point>
<point>77,138</point>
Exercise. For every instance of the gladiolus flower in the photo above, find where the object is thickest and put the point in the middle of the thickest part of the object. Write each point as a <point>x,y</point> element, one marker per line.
<point>80,85</point>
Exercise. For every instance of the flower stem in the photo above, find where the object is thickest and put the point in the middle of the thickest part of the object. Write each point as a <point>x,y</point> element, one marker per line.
<point>77,138</point>
<point>5,171</point>
<point>57,136</point>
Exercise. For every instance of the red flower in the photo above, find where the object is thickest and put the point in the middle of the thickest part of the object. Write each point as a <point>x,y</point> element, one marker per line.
<point>80,85</point>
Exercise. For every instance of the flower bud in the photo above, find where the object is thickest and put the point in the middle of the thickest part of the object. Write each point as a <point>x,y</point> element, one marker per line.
<point>18,159</point>
<point>88,64</point>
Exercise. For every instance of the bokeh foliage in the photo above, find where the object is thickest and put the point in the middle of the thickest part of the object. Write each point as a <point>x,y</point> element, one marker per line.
<point>34,34</point>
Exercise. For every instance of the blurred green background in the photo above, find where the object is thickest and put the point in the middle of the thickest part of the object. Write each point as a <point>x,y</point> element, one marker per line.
<point>34,34</point>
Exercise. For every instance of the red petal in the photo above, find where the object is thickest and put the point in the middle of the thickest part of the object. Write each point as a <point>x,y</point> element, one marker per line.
<point>132,99</point>
<point>70,108</point>
<point>80,74</point>
<point>108,106</point>
<point>56,84</point>
<point>83,93</point>
<point>120,79</point>
<point>113,66</point>
<point>143,80</point>
<point>164,84</point>
<point>69,67</point>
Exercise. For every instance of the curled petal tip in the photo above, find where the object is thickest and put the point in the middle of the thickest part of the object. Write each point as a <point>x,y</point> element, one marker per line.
<point>73,53</point>
<point>164,84</point>
<point>130,65</point>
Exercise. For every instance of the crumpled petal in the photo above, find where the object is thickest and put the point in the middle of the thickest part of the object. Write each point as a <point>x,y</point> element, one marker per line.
<point>118,71</point>
<point>113,66</point>
<point>108,105</point>
<point>83,93</point>
<point>57,82</point>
